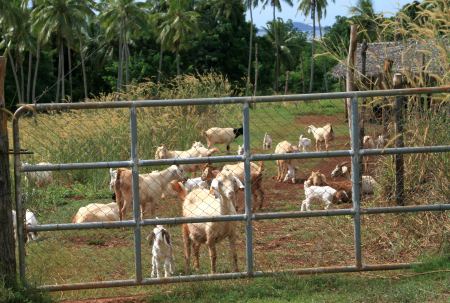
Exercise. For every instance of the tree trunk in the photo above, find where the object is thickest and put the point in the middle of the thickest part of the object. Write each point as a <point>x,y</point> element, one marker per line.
<point>120,66</point>
<point>286,83</point>
<point>249,65</point>
<point>36,68</point>
<point>69,70</point>
<point>30,71</point>
<point>16,78</point>
<point>83,68</point>
<point>363,109</point>
<point>161,52</point>
<point>22,77</point>
<point>63,91</point>
<point>313,17</point>
<point>277,59</point>
<point>303,73</point>
<point>127,64</point>
<point>178,61</point>
<point>7,247</point>
<point>255,86</point>
<point>325,80</point>
<point>58,83</point>
<point>350,74</point>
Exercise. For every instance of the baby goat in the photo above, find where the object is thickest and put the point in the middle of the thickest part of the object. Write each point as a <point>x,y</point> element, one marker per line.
<point>303,143</point>
<point>162,251</point>
<point>326,194</point>
<point>267,141</point>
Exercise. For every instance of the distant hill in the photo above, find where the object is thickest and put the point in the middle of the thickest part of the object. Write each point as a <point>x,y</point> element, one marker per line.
<point>301,27</point>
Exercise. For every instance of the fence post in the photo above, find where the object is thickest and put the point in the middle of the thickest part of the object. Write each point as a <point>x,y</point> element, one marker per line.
<point>356,178</point>
<point>135,190</point>
<point>7,245</point>
<point>350,73</point>
<point>248,193</point>
<point>398,120</point>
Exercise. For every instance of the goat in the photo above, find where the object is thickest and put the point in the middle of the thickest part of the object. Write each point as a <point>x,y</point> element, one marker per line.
<point>368,183</point>
<point>303,143</point>
<point>39,178</point>
<point>30,220</point>
<point>240,150</point>
<point>197,150</point>
<point>162,252</point>
<point>97,212</point>
<point>326,194</point>
<point>368,143</point>
<point>322,134</point>
<point>290,174</point>
<point>282,165</point>
<point>317,178</point>
<point>380,141</point>
<point>237,170</point>
<point>267,142</point>
<point>217,135</point>
<point>201,203</point>
<point>151,187</point>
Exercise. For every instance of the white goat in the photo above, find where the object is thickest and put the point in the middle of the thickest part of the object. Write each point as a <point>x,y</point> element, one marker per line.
<point>197,150</point>
<point>326,194</point>
<point>303,143</point>
<point>151,187</point>
<point>192,183</point>
<point>30,220</point>
<point>290,173</point>
<point>38,178</point>
<point>240,150</point>
<point>201,202</point>
<point>267,142</point>
<point>282,165</point>
<point>97,212</point>
<point>323,134</point>
<point>380,141</point>
<point>217,135</point>
<point>162,252</point>
<point>368,143</point>
<point>368,183</point>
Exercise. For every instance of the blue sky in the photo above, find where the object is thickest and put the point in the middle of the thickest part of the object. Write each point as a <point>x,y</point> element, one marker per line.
<point>341,8</point>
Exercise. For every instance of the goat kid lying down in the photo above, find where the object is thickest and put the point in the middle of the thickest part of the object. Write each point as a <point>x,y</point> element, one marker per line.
<point>326,194</point>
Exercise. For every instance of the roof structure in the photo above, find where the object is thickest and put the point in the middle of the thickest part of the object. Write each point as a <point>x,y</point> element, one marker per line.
<point>406,57</point>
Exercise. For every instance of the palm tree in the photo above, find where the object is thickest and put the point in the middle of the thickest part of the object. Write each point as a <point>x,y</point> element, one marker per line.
<point>250,4</point>
<point>59,18</point>
<point>364,15</point>
<point>179,23</point>
<point>276,4</point>
<point>123,19</point>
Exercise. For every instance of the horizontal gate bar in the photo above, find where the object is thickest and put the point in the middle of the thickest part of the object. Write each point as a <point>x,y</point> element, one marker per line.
<point>233,100</point>
<point>405,209</point>
<point>218,159</point>
<point>406,150</point>
<point>224,276</point>
<point>242,217</point>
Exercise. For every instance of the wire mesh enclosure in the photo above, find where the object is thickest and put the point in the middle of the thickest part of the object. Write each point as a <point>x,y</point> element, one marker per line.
<point>144,192</point>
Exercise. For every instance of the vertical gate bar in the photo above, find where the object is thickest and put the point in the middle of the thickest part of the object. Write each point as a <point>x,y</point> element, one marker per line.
<point>18,200</point>
<point>248,194</point>
<point>356,186</point>
<point>135,188</point>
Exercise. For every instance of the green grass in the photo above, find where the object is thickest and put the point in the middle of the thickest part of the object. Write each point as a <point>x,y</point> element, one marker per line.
<point>385,287</point>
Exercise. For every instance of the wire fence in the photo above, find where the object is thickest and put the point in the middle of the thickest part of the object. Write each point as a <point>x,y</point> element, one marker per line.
<point>128,193</point>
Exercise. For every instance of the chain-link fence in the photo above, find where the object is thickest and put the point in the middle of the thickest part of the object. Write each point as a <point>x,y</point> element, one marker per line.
<point>236,187</point>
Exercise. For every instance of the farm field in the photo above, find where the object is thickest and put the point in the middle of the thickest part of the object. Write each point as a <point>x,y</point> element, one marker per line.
<point>98,255</point>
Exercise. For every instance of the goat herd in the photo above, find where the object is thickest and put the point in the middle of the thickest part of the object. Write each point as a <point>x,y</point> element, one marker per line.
<point>213,193</point>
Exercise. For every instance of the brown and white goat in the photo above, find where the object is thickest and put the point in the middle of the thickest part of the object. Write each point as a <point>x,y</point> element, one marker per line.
<point>283,165</point>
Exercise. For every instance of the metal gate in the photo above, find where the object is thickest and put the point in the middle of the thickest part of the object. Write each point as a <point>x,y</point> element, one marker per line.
<point>248,217</point>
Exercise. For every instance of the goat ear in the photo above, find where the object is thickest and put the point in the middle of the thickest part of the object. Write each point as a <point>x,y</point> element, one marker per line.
<point>150,238</point>
<point>166,236</point>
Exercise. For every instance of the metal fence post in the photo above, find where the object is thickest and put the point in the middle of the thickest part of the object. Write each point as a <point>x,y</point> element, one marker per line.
<point>248,193</point>
<point>356,186</point>
<point>136,204</point>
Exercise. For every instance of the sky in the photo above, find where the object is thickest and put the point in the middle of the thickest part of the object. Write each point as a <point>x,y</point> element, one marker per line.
<point>340,8</point>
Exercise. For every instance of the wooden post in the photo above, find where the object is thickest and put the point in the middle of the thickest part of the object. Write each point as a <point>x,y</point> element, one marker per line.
<point>7,244</point>
<point>363,106</point>
<point>350,74</point>
<point>398,120</point>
